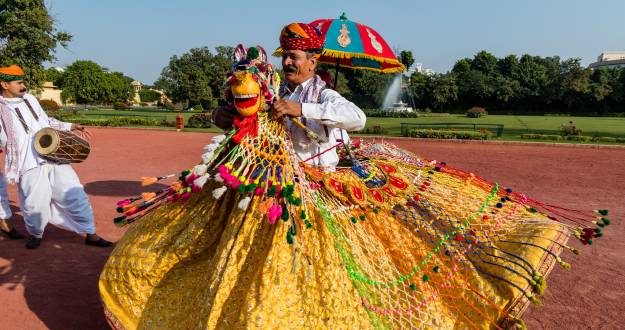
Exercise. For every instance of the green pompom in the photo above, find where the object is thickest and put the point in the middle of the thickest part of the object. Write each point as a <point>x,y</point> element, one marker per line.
<point>308,224</point>
<point>602,212</point>
<point>606,221</point>
<point>289,237</point>
<point>252,53</point>
<point>303,215</point>
<point>362,217</point>
<point>354,220</point>
<point>426,278</point>
<point>242,188</point>
<point>413,286</point>
<point>285,213</point>
<point>436,269</point>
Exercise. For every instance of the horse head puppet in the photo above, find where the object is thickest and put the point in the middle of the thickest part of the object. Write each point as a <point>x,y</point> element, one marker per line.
<point>252,85</point>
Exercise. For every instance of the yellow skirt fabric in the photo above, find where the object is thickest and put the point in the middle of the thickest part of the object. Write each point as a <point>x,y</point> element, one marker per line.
<point>207,264</point>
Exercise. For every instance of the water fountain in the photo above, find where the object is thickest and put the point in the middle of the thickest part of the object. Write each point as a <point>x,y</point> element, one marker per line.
<point>392,99</point>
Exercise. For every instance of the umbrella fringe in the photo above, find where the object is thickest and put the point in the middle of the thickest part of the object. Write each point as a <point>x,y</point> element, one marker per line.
<point>341,54</point>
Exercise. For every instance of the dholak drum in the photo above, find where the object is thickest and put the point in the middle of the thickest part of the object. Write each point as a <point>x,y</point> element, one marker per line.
<point>61,147</point>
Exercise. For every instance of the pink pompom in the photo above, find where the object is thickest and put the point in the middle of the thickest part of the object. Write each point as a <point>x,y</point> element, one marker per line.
<point>273,213</point>
<point>124,202</point>
<point>259,191</point>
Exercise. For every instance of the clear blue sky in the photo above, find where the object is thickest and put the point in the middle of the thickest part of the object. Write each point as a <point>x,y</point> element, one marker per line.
<point>137,37</point>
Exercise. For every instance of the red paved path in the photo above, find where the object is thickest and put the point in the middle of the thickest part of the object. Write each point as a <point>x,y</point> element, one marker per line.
<point>55,286</point>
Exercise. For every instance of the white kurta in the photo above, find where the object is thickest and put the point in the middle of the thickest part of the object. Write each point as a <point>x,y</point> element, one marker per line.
<point>333,111</point>
<point>5,208</point>
<point>49,193</point>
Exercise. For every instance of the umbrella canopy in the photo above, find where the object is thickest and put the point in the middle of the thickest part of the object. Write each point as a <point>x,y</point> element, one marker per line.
<point>357,46</point>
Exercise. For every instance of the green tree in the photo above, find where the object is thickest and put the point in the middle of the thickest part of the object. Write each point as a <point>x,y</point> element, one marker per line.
<point>406,58</point>
<point>148,95</point>
<point>197,76</point>
<point>54,75</point>
<point>368,88</point>
<point>461,66</point>
<point>420,88</point>
<point>443,91</point>
<point>29,36</point>
<point>85,82</point>
<point>574,84</point>
<point>484,62</point>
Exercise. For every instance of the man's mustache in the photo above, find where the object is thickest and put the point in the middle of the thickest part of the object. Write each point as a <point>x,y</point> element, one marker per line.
<point>22,90</point>
<point>290,69</point>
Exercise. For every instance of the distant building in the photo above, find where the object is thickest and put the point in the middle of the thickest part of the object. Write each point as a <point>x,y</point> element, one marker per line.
<point>50,92</point>
<point>136,85</point>
<point>610,60</point>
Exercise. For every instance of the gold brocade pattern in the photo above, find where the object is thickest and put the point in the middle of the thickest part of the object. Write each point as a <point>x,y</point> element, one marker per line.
<point>208,267</point>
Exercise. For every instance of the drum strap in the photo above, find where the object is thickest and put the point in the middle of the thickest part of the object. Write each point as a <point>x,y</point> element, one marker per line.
<point>32,111</point>
<point>19,115</point>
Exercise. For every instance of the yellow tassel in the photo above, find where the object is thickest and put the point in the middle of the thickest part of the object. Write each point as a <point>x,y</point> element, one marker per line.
<point>575,251</point>
<point>148,195</point>
<point>148,180</point>
<point>564,264</point>
<point>534,300</point>
<point>541,284</point>
<point>519,324</point>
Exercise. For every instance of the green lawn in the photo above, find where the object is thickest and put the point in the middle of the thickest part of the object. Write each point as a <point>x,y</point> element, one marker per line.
<point>516,125</point>
<point>513,125</point>
<point>151,114</point>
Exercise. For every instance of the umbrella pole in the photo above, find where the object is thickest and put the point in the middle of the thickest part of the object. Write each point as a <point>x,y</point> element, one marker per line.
<point>336,73</point>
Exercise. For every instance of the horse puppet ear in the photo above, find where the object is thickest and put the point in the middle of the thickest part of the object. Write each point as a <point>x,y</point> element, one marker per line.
<point>239,53</point>
<point>262,54</point>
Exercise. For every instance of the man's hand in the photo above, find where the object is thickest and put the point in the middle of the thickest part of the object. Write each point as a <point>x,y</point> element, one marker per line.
<point>284,107</point>
<point>83,131</point>
<point>223,117</point>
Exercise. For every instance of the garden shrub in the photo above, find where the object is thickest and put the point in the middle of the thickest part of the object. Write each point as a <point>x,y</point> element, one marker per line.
<point>605,139</point>
<point>582,138</point>
<point>476,112</point>
<point>376,129</point>
<point>569,129</point>
<point>448,134</point>
<point>49,106</point>
<point>200,120</point>
<point>121,106</point>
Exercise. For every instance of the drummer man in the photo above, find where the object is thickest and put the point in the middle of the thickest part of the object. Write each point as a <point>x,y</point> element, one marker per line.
<point>48,192</point>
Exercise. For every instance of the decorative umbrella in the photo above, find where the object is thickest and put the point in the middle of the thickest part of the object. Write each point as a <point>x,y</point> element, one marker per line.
<point>357,46</point>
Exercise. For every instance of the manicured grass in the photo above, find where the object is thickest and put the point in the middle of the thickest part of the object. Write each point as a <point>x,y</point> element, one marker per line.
<point>515,125</point>
<point>157,114</point>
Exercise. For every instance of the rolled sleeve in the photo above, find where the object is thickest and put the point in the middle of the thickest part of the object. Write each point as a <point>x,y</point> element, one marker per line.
<point>336,111</point>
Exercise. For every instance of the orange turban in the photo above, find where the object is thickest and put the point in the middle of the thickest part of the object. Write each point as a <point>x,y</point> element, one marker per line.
<point>11,73</point>
<point>300,36</point>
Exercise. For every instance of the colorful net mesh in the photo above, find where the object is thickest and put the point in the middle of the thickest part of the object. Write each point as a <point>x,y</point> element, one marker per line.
<point>254,238</point>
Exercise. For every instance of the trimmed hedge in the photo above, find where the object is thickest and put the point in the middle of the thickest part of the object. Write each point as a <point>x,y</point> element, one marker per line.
<point>446,134</point>
<point>115,122</point>
<point>200,120</point>
<point>579,138</point>
<point>376,129</point>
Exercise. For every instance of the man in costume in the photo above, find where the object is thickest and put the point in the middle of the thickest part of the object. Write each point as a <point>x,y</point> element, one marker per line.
<point>5,212</point>
<point>48,192</point>
<point>305,96</point>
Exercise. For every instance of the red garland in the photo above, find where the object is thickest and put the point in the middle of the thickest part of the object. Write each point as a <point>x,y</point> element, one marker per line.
<point>245,126</point>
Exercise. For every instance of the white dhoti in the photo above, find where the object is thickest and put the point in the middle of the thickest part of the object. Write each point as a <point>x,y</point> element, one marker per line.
<point>52,193</point>
<point>5,208</point>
